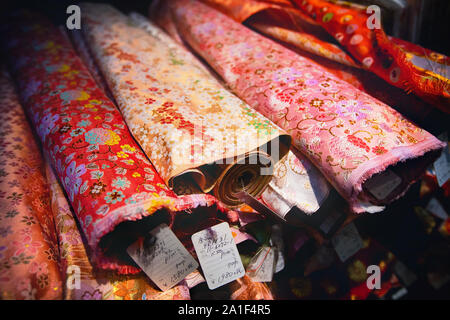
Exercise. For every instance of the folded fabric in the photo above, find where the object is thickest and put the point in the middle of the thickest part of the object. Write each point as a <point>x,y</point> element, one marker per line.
<point>424,73</point>
<point>82,281</point>
<point>115,192</point>
<point>295,182</point>
<point>196,133</point>
<point>367,150</point>
<point>28,248</point>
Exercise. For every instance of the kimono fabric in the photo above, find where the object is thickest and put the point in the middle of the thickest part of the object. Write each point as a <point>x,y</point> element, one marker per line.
<point>114,190</point>
<point>107,285</point>
<point>284,22</point>
<point>295,181</point>
<point>74,258</point>
<point>411,67</point>
<point>199,136</point>
<point>309,39</point>
<point>406,103</point>
<point>351,137</point>
<point>28,248</point>
<point>400,63</point>
<point>82,50</point>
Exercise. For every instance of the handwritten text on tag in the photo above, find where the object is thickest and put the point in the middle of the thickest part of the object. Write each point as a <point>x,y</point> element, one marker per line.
<point>164,258</point>
<point>218,255</point>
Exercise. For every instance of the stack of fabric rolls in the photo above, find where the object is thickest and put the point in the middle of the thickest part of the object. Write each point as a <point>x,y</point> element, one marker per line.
<point>119,127</point>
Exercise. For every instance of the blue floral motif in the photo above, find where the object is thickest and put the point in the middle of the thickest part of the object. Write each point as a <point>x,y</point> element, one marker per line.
<point>121,183</point>
<point>114,196</point>
<point>77,132</point>
<point>83,123</point>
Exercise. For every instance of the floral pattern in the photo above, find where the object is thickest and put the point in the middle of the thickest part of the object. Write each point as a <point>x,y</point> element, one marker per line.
<point>183,118</point>
<point>295,182</point>
<point>94,284</point>
<point>399,63</point>
<point>26,229</point>
<point>85,138</point>
<point>337,126</point>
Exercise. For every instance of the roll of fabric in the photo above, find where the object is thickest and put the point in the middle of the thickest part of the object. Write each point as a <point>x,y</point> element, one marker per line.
<point>196,133</point>
<point>367,150</point>
<point>115,192</point>
<point>82,281</point>
<point>295,182</point>
<point>28,248</point>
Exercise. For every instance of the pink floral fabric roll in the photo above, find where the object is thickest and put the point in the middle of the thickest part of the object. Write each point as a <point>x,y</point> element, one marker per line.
<point>369,152</point>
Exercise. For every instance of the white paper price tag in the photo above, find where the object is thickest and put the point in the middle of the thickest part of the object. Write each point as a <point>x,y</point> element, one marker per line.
<point>218,255</point>
<point>381,185</point>
<point>164,259</point>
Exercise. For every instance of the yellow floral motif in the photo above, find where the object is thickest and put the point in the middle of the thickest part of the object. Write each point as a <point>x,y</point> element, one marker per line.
<point>128,149</point>
<point>95,101</point>
<point>64,68</point>
<point>83,96</point>
<point>122,154</point>
<point>136,174</point>
<point>113,138</point>
<point>300,287</point>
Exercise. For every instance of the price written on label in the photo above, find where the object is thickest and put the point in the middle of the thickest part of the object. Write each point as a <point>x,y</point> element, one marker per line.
<point>218,255</point>
<point>162,257</point>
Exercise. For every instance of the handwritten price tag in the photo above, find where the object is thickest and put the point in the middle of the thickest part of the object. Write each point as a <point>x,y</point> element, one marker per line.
<point>218,255</point>
<point>162,257</point>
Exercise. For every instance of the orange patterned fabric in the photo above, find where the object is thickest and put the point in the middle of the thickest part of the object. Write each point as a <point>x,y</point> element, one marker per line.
<point>28,249</point>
